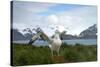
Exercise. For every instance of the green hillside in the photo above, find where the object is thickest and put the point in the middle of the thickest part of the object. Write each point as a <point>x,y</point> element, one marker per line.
<point>32,55</point>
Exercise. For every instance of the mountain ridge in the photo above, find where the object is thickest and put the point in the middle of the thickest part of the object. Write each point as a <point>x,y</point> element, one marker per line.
<point>89,33</point>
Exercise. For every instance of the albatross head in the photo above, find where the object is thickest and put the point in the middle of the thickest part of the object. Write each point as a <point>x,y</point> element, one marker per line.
<point>57,32</point>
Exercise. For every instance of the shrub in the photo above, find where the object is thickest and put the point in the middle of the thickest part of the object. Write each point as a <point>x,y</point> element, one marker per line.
<point>32,55</point>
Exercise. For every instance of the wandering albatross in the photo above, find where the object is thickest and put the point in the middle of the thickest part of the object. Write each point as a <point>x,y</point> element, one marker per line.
<point>54,43</point>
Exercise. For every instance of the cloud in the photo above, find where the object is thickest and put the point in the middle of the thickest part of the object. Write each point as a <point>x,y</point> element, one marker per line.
<point>27,12</point>
<point>52,19</point>
<point>77,19</point>
<point>34,7</point>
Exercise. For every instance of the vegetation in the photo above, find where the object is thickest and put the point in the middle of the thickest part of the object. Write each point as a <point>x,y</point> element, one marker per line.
<point>31,55</point>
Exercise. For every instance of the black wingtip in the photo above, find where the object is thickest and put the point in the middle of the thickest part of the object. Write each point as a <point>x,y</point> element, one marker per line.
<point>30,42</point>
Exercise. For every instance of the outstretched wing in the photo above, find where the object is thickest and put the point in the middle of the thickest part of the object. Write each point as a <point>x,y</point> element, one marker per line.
<point>34,38</point>
<point>46,38</point>
<point>42,35</point>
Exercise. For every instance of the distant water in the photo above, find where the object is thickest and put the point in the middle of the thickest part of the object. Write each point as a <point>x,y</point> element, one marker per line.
<point>74,41</point>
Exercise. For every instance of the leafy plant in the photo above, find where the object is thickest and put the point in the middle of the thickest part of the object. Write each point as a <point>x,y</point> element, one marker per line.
<point>33,55</point>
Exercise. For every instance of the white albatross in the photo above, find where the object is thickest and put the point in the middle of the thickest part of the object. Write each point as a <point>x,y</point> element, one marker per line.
<point>54,43</point>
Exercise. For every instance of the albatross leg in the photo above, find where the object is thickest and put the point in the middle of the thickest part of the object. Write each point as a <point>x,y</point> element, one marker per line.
<point>51,52</point>
<point>58,51</point>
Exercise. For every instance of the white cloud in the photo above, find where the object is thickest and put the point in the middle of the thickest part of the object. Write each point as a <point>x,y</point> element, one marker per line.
<point>52,19</point>
<point>33,7</point>
<point>77,20</point>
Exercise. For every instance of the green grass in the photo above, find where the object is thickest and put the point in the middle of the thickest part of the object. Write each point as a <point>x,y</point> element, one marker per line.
<point>32,55</point>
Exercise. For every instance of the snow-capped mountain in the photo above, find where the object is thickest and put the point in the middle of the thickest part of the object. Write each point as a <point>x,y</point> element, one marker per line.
<point>90,32</point>
<point>20,35</point>
<point>16,35</point>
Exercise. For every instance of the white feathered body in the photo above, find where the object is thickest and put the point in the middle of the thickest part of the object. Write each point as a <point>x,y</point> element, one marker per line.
<point>55,45</point>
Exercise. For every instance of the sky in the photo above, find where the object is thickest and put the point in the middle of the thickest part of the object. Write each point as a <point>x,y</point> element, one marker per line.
<point>51,16</point>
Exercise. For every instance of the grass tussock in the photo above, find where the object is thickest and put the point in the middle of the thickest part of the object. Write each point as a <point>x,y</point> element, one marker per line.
<point>32,55</point>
